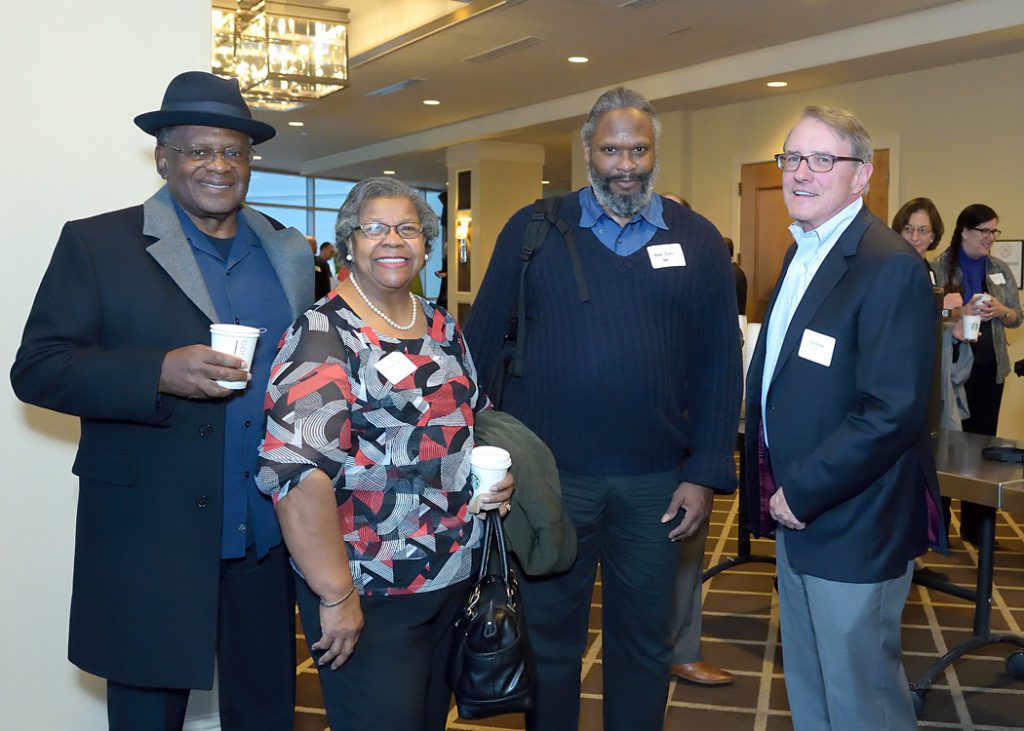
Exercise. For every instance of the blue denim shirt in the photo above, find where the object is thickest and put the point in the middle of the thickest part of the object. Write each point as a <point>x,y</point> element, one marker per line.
<point>623,240</point>
<point>245,291</point>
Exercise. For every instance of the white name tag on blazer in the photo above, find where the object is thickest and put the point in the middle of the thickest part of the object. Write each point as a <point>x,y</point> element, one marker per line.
<point>666,255</point>
<point>817,347</point>
<point>997,278</point>
<point>395,367</point>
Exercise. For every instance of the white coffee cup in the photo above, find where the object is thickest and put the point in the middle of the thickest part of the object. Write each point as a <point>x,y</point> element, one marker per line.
<point>238,340</point>
<point>487,466</point>
<point>972,327</point>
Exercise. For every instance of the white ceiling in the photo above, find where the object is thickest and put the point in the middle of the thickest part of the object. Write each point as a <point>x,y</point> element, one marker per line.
<point>684,54</point>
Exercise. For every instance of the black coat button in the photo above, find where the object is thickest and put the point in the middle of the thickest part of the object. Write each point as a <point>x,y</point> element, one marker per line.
<point>205,430</point>
<point>202,501</point>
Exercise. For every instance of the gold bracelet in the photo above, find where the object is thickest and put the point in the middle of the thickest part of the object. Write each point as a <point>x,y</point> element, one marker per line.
<point>348,593</point>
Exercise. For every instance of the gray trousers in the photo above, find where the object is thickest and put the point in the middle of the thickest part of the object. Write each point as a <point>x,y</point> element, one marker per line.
<point>841,651</point>
<point>685,628</point>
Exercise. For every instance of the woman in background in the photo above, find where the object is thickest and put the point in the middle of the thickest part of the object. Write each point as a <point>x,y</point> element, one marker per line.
<point>968,267</point>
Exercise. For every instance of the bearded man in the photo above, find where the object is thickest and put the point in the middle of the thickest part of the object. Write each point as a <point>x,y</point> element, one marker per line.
<point>635,387</point>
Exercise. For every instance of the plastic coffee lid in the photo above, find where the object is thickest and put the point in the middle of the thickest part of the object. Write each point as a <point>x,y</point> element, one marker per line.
<point>490,457</point>
<point>236,330</point>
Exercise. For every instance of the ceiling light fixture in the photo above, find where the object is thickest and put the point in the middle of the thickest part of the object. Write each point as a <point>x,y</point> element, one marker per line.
<point>578,59</point>
<point>431,102</point>
<point>296,124</point>
<point>545,182</point>
<point>777,84</point>
<point>283,54</point>
<point>389,172</point>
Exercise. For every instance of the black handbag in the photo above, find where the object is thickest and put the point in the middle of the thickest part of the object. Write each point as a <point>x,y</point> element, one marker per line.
<point>491,667</point>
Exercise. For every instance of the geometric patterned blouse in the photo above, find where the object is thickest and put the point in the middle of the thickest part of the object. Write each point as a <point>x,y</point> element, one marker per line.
<point>391,423</point>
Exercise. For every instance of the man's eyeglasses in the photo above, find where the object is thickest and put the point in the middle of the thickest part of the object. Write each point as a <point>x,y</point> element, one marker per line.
<point>237,156</point>
<point>921,231</point>
<point>994,233</point>
<point>375,231</point>
<point>818,162</point>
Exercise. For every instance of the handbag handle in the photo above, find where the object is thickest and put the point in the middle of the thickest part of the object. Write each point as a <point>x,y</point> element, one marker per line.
<point>494,533</point>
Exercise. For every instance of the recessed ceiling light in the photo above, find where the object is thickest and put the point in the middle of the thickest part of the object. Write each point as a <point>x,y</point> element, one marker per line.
<point>545,182</point>
<point>296,124</point>
<point>389,172</point>
<point>257,157</point>
<point>431,102</point>
<point>578,59</point>
<point>777,84</point>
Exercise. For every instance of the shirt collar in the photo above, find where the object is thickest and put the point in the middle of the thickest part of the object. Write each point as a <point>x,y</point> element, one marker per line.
<point>827,231</point>
<point>244,239</point>
<point>591,211</point>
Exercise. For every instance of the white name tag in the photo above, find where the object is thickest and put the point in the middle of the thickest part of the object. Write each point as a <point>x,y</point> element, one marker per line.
<point>817,348</point>
<point>395,367</point>
<point>666,255</point>
<point>997,278</point>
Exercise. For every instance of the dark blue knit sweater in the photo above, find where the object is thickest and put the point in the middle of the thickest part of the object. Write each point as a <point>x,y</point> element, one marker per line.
<point>643,378</point>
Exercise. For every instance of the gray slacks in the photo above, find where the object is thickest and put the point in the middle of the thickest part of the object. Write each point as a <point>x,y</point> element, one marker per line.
<point>841,651</point>
<point>686,613</point>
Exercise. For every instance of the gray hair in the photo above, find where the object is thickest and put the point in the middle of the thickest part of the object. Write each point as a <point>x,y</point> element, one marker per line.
<point>369,189</point>
<point>844,124</point>
<point>618,98</point>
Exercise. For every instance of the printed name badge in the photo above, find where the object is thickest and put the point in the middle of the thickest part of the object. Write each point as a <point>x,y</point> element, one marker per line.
<point>817,347</point>
<point>395,367</point>
<point>997,278</point>
<point>666,255</point>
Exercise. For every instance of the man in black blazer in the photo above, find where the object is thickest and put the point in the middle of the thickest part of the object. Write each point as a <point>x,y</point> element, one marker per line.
<point>840,459</point>
<point>178,557</point>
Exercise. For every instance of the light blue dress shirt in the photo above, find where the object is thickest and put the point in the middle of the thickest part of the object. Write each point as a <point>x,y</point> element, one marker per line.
<point>811,249</point>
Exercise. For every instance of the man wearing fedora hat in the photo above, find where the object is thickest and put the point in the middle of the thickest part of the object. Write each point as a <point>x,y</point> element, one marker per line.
<point>178,557</point>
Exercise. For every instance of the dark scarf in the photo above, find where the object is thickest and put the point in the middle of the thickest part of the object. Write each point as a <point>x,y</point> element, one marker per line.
<point>973,274</point>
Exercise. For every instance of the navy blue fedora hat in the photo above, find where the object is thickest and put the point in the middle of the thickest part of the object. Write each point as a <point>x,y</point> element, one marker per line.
<point>200,98</point>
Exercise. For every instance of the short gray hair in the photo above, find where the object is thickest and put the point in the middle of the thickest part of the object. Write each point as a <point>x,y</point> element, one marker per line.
<point>369,189</point>
<point>844,124</point>
<point>618,98</point>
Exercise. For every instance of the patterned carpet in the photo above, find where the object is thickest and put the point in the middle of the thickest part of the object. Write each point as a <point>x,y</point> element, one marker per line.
<point>741,633</point>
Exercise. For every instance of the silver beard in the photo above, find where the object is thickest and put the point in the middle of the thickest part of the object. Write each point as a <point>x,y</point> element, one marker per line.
<point>623,205</point>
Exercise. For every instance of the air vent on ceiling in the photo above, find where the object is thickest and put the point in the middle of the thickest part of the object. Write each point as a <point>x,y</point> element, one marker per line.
<point>392,88</point>
<point>512,47</point>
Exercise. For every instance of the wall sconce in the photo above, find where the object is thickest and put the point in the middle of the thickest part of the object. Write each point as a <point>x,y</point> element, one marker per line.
<point>462,236</point>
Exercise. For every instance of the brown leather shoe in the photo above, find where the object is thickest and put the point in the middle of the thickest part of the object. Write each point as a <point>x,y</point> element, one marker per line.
<point>702,673</point>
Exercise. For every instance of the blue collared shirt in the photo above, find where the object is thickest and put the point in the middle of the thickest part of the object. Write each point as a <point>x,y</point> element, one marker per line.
<point>623,240</point>
<point>245,291</point>
<point>811,249</point>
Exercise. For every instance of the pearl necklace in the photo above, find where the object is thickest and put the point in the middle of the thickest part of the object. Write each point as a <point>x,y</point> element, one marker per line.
<point>381,315</point>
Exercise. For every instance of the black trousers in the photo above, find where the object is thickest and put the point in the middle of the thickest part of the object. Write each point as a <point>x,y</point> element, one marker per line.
<point>618,522</point>
<point>984,397</point>
<point>255,657</point>
<point>396,678</point>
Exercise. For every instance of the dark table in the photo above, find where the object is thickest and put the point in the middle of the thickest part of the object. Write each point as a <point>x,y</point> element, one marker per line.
<point>966,475</point>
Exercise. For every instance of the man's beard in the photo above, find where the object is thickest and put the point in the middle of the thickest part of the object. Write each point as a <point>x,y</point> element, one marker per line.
<point>623,205</point>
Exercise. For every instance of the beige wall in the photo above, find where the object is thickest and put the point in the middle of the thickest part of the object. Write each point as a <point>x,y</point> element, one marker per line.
<point>70,150</point>
<point>956,138</point>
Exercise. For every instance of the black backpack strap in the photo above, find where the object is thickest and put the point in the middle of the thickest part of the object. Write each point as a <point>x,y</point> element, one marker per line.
<point>543,216</point>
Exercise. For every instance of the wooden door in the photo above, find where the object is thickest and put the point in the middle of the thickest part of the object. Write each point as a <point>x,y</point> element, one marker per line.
<point>764,225</point>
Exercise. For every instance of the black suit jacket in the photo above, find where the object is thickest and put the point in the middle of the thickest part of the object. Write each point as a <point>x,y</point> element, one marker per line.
<point>121,290</point>
<point>848,442</point>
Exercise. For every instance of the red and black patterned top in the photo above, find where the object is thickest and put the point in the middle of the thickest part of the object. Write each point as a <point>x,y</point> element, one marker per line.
<point>391,423</point>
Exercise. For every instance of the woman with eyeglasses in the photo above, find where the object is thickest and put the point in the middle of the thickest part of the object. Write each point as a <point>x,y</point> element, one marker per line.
<point>989,290</point>
<point>370,416</point>
<point>920,224</point>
